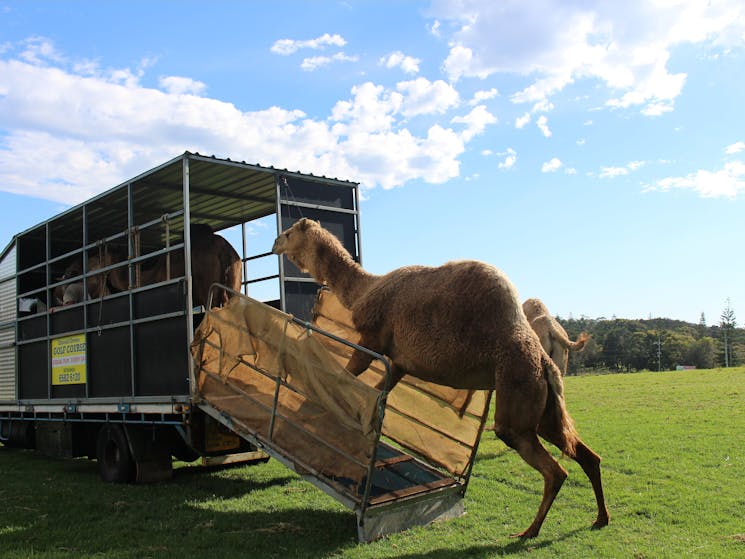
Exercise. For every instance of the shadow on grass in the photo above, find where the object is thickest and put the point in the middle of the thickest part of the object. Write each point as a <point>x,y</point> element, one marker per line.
<point>514,546</point>
<point>60,508</point>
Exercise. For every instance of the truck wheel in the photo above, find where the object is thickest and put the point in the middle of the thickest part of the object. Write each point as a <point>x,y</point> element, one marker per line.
<point>115,463</point>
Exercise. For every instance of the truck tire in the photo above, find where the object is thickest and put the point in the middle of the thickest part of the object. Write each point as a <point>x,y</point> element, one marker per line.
<point>115,463</point>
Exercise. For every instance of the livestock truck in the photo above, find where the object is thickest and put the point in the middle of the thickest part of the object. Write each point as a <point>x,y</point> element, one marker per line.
<point>118,376</point>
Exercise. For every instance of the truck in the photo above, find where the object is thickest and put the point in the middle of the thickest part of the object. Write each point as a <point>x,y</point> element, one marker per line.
<point>136,378</point>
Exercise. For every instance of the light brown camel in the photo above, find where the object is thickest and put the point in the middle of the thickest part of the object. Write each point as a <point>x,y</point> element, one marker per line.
<point>460,325</point>
<point>553,337</point>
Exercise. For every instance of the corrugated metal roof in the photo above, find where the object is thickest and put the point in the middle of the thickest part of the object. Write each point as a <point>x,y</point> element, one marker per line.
<point>223,193</point>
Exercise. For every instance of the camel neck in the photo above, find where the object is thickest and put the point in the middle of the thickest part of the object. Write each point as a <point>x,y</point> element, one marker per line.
<point>347,279</point>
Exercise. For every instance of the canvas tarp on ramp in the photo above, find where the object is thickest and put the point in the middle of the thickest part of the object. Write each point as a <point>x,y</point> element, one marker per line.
<point>276,379</point>
<point>437,422</point>
<point>273,376</point>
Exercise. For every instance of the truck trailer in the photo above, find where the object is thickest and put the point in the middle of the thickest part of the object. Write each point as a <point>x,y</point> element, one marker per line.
<point>137,377</point>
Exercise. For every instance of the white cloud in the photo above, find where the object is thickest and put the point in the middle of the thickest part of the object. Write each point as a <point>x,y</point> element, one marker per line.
<point>421,96</point>
<point>39,50</point>
<point>551,166</point>
<point>625,46</point>
<point>737,147</point>
<point>483,95</point>
<point>314,62</point>
<point>179,85</point>
<point>476,121</point>
<point>613,172</point>
<point>542,124</point>
<point>460,62</point>
<point>408,64</point>
<point>509,160</point>
<point>727,182</point>
<point>286,47</point>
<point>68,135</point>
<point>521,121</point>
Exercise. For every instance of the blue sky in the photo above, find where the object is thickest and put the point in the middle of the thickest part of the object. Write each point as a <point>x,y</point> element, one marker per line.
<point>594,151</point>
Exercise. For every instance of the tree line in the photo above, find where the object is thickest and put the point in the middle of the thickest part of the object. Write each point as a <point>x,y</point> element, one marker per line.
<point>621,345</point>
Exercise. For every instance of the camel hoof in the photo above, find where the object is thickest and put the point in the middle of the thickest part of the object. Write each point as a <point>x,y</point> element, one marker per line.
<point>525,535</point>
<point>601,522</point>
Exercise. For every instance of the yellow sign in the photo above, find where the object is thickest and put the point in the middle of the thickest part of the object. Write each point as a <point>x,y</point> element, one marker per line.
<point>68,360</point>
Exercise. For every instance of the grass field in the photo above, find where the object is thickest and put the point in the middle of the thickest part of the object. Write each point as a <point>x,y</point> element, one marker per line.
<point>673,447</point>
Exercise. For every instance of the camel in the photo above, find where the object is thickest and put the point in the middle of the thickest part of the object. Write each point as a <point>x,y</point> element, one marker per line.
<point>552,335</point>
<point>74,293</point>
<point>460,325</point>
<point>213,260</point>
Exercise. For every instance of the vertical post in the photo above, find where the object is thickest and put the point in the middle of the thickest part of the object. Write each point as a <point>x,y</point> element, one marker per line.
<point>187,272</point>
<point>84,267</point>
<point>130,301</point>
<point>357,222</point>
<point>50,295</point>
<point>280,259</point>
<point>244,261</point>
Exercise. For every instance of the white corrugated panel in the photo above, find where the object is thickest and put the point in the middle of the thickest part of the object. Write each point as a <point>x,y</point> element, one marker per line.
<point>7,300</point>
<point>8,263</point>
<point>8,286</point>
<point>7,365</point>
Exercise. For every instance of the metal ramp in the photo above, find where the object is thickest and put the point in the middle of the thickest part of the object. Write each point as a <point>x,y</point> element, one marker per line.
<point>279,383</point>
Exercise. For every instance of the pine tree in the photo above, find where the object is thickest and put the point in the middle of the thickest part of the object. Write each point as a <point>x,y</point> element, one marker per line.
<point>701,326</point>
<point>727,322</point>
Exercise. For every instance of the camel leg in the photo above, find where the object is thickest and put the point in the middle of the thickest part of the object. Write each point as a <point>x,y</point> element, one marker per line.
<point>532,451</point>
<point>397,373</point>
<point>587,459</point>
<point>359,362</point>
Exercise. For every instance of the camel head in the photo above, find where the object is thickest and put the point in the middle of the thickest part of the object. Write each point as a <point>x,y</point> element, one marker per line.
<point>297,242</point>
<point>533,308</point>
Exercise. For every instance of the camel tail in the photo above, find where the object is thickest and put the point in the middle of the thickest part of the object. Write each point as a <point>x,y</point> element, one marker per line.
<point>556,412</point>
<point>582,340</point>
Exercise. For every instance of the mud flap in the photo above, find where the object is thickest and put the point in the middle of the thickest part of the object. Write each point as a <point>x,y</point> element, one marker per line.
<point>152,458</point>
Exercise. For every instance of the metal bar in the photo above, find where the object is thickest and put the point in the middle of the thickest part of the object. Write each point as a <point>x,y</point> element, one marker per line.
<point>187,269</point>
<point>48,245</point>
<point>244,260</point>
<point>318,207</point>
<point>130,296</point>
<point>358,225</point>
<point>265,278</point>
<point>85,294</point>
<point>472,460</point>
<point>280,258</point>
<point>270,253</point>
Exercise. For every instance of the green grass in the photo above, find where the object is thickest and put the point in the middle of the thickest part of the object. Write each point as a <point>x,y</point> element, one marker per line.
<point>673,447</point>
